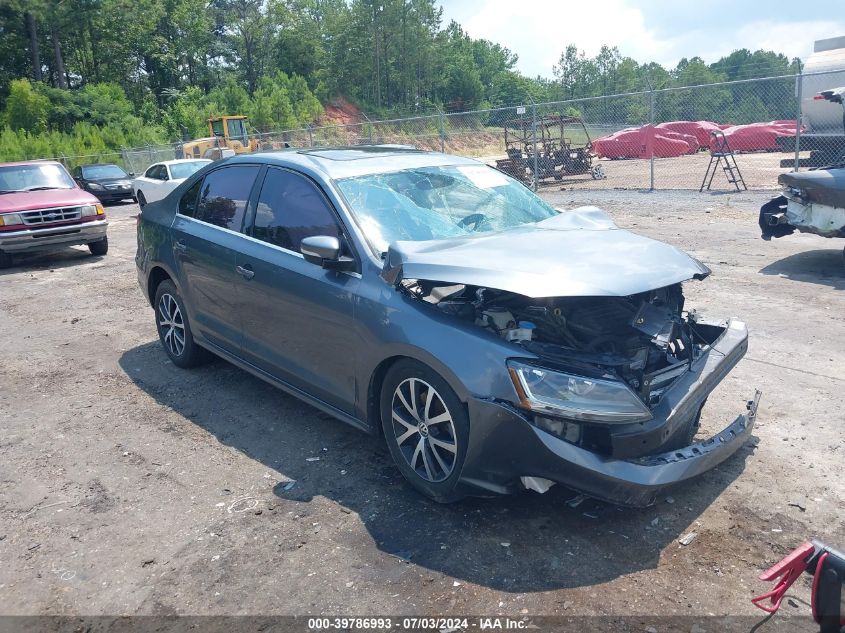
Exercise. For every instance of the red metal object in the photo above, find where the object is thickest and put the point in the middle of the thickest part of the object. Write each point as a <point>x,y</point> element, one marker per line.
<point>643,142</point>
<point>816,578</point>
<point>788,570</point>
<point>827,566</point>
<point>699,129</point>
<point>759,137</point>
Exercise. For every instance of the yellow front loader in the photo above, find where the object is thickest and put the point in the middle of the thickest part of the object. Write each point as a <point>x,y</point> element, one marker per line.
<point>228,136</point>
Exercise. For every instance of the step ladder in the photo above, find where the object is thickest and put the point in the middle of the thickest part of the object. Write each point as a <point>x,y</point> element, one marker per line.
<point>722,156</point>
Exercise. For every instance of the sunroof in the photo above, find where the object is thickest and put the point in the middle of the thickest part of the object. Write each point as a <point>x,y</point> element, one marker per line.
<point>358,153</point>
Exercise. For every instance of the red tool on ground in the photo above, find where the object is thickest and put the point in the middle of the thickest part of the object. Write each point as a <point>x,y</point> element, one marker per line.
<point>827,566</point>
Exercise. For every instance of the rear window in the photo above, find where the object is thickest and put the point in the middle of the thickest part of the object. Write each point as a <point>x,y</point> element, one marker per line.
<point>94,172</point>
<point>183,170</point>
<point>34,177</point>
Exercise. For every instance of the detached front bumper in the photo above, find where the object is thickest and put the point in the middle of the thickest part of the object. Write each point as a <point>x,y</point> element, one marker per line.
<point>31,240</point>
<point>505,445</point>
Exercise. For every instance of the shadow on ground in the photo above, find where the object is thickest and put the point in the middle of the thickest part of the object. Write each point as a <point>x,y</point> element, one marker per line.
<point>820,266</point>
<point>62,257</point>
<point>550,544</point>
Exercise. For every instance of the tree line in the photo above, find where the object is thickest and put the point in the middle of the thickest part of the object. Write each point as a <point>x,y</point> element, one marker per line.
<point>80,75</point>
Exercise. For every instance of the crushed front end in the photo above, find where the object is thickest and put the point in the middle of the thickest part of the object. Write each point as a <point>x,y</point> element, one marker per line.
<point>608,391</point>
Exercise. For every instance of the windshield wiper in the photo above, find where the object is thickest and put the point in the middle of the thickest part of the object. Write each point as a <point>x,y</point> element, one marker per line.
<point>42,188</point>
<point>2,191</point>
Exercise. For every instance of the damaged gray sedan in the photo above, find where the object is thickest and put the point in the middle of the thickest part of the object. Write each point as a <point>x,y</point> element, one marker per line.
<point>496,343</point>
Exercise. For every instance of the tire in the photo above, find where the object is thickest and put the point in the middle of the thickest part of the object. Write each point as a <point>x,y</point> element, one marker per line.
<point>142,201</point>
<point>5,260</point>
<point>419,443</point>
<point>174,330</point>
<point>100,247</point>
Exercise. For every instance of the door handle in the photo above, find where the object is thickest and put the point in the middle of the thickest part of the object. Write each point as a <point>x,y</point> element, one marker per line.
<point>180,246</point>
<point>245,271</point>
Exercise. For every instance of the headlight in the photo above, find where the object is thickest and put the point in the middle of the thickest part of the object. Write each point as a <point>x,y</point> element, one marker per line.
<point>576,397</point>
<point>10,219</point>
<point>91,209</point>
<point>93,186</point>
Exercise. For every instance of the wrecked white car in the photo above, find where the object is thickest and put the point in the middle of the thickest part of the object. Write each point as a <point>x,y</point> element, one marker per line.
<point>812,202</point>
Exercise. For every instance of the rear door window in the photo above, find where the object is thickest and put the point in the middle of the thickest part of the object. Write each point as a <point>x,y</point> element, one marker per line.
<point>224,195</point>
<point>290,208</point>
<point>188,202</point>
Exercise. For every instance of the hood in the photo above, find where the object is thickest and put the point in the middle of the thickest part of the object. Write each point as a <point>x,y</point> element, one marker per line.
<point>577,253</point>
<point>112,180</point>
<point>49,198</point>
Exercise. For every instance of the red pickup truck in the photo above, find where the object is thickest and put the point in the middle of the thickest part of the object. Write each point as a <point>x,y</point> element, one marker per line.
<point>42,208</point>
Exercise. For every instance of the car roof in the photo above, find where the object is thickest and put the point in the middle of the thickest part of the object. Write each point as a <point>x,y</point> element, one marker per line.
<point>31,162</point>
<point>357,160</point>
<point>177,161</point>
<point>101,165</point>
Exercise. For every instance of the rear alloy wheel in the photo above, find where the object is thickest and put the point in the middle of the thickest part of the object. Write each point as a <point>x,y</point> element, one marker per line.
<point>174,330</point>
<point>142,201</point>
<point>426,428</point>
<point>100,247</point>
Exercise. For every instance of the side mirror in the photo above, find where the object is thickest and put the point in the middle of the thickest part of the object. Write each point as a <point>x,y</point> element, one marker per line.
<point>131,174</point>
<point>324,251</point>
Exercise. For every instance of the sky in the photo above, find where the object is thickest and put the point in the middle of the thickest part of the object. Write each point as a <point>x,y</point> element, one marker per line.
<point>650,30</point>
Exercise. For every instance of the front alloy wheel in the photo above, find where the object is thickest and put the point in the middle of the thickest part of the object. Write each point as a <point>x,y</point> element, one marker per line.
<point>424,430</point>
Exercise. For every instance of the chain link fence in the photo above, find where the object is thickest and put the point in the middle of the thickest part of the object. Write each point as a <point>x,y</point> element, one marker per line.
<point>138,159</point>
<point>732,135</point>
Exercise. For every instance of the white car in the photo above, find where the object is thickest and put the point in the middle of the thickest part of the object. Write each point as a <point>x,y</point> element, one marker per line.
<point>162,178</point>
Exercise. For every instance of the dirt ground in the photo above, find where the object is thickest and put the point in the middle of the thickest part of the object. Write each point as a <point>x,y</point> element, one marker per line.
<point>134,487</point>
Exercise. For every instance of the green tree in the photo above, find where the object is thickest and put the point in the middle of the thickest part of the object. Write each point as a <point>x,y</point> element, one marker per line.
<point>26,109</point>
<point>463,89</point>
<point>510,88</point>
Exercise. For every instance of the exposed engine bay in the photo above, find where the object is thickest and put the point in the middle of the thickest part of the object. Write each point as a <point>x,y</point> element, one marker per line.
<point>646,339</point>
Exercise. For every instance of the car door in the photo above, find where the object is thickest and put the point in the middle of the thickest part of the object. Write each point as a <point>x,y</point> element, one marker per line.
<point>170,183</point>
<point>297,316</point>
<point>206,234</point>
<point>158,184</point>
<point>148,183</point>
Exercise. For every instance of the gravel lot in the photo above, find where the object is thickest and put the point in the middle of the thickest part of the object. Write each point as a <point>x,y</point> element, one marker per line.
<point>133,487</point>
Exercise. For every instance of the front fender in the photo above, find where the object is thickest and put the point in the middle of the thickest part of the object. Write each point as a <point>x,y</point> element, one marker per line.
<point>470,359</point>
